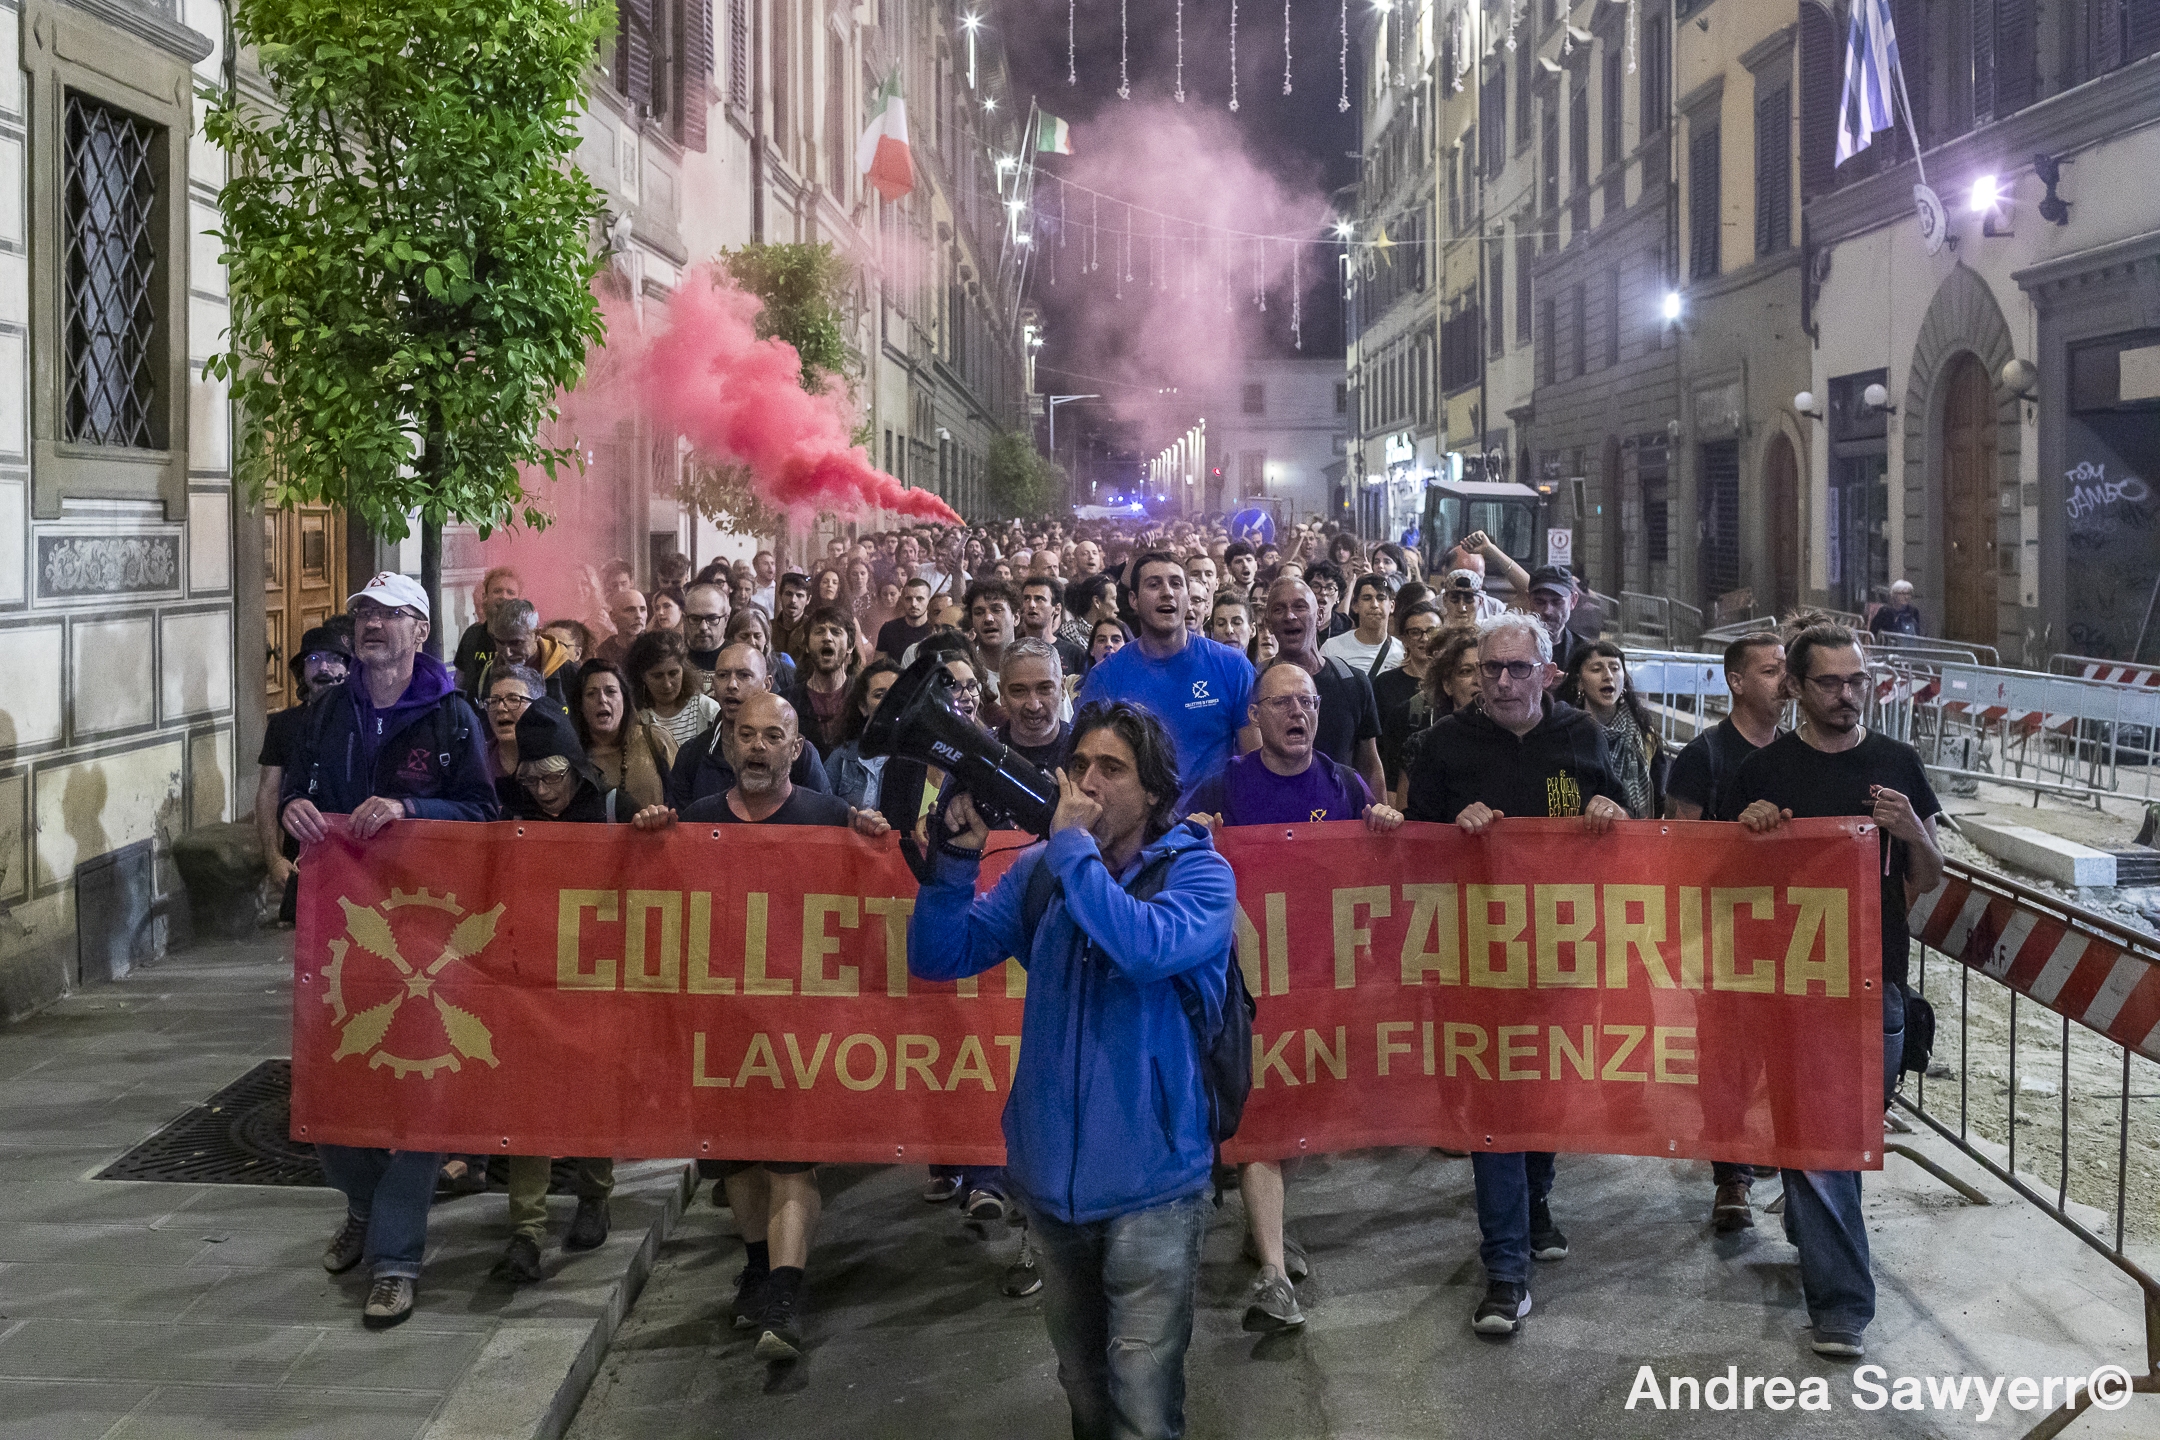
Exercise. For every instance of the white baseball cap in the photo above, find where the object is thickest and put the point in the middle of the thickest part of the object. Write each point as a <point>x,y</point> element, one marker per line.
<point>398,592</point>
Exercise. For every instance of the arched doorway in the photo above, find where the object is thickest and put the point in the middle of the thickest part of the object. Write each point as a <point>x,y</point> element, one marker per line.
<point>1968,503</point>
<point>1781,496</point>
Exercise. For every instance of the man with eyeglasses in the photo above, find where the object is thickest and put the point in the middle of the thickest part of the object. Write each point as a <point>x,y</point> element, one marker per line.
<point>705,617</point>
<point>1517,753</point>
<point>1287,781</point>
<point>396,740</point>
<point>1834,765</point>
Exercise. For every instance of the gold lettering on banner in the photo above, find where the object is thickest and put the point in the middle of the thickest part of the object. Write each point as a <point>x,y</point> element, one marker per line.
<point>1385,1043</point>
<point>699,1080</point>
<point>754,979</point>
<point>1513,973</point>
<point>1351,938</point>
<point>1010,1044</point>
<point>666,979</point>
<point>1428,1036</point>
<point>1666,1051</point>
<point>1267,968</point>
<point>1822,912</point>
<point>817,944</point>
<point>758,1060</point>
<point>1266,1057</point>
<point>1457,1033</point>
<point>1580,902</point>
<point>970,1064</point>
<point>895,912</point>
<point>1015,980</point>
<point>1337,1061</point>
<point>698,960</point>
<point>1510,1053</point>
<point>570,971</point>
<point>1691,938</point>
<point>1643,936</point>
<point>905,1059</point>
<point>1725,972</point>
<point>968,986</point>
<point>1583,1062</point>
<point>1630,1037</point>
<point>806,1075</point>
<point>1433,943</point>
<point>840,1062</point>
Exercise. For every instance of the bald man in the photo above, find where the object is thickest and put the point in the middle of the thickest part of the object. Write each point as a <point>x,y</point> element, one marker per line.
<point>702,767</point>
<point>762,742</point>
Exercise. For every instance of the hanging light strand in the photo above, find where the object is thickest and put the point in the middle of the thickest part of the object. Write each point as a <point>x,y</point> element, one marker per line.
<point>1072,63</point>
<point>1343,101</point>
<point>1180,91</point>
<point>1124,76</point>
<point>1233,56</point>
<point>1286,47</point>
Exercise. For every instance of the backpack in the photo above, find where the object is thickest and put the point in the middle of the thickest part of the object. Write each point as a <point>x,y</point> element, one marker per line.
<point>1919,1035</point>
<point>1226,1052</point>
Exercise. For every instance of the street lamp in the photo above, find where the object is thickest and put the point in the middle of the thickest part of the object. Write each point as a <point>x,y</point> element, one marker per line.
<point>1055,401</point>
<point>971,24</point>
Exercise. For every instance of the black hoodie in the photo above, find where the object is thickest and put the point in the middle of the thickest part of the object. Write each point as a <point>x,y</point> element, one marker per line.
<point>1553,770</point>
<point>544,730</point>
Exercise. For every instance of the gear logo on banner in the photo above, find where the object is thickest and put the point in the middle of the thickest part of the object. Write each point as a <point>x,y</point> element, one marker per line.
<point>413,1026</point>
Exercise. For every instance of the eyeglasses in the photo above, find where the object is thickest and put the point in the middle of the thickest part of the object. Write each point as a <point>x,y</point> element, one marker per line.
<point>364,610</point>
<point>968,687</point>
<point>1830,685</point>
<point>1516,670</point>
<point>508,702</point>
<point>693,618</point>
<point>1284,704</point>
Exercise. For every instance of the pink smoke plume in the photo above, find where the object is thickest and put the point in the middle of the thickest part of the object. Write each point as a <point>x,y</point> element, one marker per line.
<point>706,375</point>
<point>1187,316</point>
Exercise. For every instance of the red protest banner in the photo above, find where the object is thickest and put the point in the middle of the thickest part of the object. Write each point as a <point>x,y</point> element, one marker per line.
<point>1669,989</point>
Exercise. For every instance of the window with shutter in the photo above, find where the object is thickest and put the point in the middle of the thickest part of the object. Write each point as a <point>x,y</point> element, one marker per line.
<point>1579,132</point>
<point>1612,317</point>
<point>694,76</point>
<point>1493,124</point>
<point>1524,254</point>
<point>2017,55</point>
<point>738,68</point>
<point>2140,28</point>
<point>634,52</point>
<point>1545,365</point>
<point>1915,46</point>
<point>1982,30</point>
<point>1549,180</point>
<point>1611,94</point>
<point>1496,303</point>
<point>1525,95</point>
<point>1578,330</point>
<point>1773,171</point>
<point>1651,71</point>
<point>1704,202</point>
<point>1819,86</point>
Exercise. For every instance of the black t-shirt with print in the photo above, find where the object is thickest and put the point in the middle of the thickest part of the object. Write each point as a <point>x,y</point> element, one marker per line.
<point>1793,775</point>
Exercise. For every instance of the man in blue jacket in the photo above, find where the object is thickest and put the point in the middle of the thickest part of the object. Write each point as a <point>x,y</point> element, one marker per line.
<point>1107,1139</point>
<point>395,741</point>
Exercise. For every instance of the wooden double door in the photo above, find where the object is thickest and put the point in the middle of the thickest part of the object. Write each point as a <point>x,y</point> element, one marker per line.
<point>303,586</point>
<point>1971,556</point>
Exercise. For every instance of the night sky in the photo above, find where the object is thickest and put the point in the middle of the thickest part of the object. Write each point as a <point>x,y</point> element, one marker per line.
<point>1303,137</point>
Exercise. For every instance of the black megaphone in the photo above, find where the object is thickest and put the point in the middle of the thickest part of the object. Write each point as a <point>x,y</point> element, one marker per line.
<point>916,723</point>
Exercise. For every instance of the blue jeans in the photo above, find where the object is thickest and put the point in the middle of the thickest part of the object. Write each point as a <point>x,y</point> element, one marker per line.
<point>1118,1302</point>
<point>1822,1216</point>
<point>1507,1186</point>
<point>391,1190</point>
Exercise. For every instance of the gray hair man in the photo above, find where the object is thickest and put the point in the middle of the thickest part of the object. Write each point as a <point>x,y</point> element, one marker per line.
<point>1031,682</point>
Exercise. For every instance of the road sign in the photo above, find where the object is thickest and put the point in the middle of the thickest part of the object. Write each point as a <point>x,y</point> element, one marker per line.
<point>1560,547</point>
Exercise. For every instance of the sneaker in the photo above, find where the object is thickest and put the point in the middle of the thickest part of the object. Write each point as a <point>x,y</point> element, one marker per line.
<point>1838,1344</point>
<point>1022,1279</point>
<point>470,1179</point>
<point>749,1298</point>
<point>1274,1308</point>
<point>780,1328</point>
<point>347,1246</point>
<point>589,1227</point>
<point>1734,1210</point>
<point>389,1302</point>
<point>984,1205</point>
<point>521,1261</point>
<point>1546,1241</point>
<point>1501,1311</point>
<point>1295,1265</point>
<point>941,1189</point>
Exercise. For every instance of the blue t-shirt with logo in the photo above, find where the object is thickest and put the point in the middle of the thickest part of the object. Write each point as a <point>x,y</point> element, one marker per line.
<point>1200,694</point>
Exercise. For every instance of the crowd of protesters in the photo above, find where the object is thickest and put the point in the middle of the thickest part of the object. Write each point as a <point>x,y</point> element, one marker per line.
<point>1175,680</point>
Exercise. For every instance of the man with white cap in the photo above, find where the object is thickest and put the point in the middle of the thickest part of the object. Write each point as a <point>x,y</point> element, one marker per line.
<point>397,740</point>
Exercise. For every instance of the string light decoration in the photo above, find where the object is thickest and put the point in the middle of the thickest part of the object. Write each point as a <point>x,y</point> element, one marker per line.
<point>1181,50</point>
<point>1233,56</point>
<point>1094,233</point>
<point>1124,76</point>
<point>1634,33</point>
<point>1297,299</point>
<point>1072,64</point>
<point>1514,18</point>
<point>1462,48</point>
<point>1286,47</point>
<point>1342,102</point>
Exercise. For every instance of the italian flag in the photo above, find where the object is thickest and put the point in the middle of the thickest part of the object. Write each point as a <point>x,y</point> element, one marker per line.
<point>1052,135</point>
<point>882,153</point>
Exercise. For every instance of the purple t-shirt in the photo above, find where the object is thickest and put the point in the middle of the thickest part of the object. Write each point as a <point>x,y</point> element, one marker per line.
<point>1246,792</point>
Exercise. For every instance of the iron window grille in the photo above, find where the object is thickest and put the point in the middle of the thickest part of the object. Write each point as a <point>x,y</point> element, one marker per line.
<point>108,294</point>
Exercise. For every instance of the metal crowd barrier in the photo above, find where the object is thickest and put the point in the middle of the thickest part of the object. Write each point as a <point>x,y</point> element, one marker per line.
<point>1660,616</point>
<point>2027,949</point>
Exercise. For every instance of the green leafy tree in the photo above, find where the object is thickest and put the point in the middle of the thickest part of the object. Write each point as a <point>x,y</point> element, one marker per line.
<point>801,287</point>
<point>1020,480</point>
<point>408,252</point>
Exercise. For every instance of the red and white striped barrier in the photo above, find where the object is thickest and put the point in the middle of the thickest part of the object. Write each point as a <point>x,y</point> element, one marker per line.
<point>2122,674</point>
<point>2072,970</point>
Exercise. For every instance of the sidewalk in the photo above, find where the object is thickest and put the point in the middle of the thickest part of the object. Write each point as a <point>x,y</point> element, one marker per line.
<point>171,1310</point>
